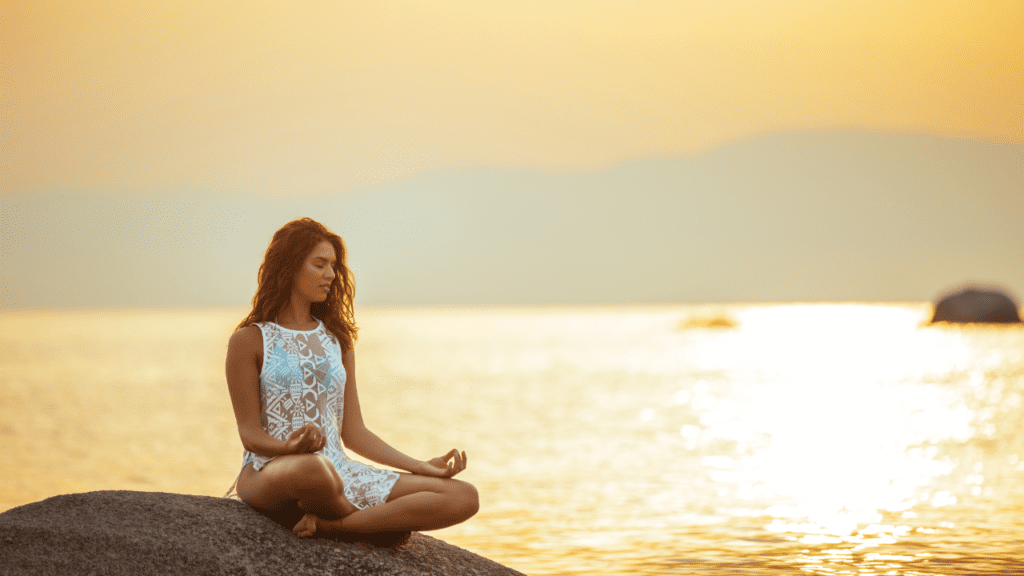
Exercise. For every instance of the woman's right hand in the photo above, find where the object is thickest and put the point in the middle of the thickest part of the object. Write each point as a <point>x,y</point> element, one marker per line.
<point>309,438</point>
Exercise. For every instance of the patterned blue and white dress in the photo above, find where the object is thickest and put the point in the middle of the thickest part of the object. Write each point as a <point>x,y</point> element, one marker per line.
<point>303,380</point>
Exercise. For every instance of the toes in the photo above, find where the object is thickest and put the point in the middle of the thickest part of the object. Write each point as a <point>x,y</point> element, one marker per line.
<point>305,527</point>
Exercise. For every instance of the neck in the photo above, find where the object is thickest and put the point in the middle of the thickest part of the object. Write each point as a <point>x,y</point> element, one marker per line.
<point>296,312</point>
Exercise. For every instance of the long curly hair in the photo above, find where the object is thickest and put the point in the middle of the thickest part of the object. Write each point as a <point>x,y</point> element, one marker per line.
<point>281,264</point>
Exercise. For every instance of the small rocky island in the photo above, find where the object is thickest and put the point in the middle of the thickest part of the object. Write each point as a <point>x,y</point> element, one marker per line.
<point>124,532</point>
<point>977,304</point>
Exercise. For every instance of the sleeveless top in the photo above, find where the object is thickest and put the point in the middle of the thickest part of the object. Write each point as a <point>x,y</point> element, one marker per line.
<point>303,380</point>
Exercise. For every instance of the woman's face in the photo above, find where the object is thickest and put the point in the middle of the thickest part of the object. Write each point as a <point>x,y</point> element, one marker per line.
<point>314,279</point>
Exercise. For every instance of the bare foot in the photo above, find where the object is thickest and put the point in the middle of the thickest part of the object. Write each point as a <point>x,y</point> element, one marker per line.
<point>306,527</point>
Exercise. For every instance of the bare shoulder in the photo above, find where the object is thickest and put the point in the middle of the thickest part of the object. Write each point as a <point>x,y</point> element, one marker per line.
<point>246,341</point>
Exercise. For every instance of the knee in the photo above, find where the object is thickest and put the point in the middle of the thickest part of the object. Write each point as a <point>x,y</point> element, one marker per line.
<point>466,499</point>
<point>316,472</point>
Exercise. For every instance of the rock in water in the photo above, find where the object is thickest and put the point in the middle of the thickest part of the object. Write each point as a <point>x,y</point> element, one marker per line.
<point>112,533</point>
<point>974,304</point>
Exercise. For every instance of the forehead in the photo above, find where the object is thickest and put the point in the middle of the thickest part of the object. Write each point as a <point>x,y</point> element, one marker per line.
<point>323,250</point>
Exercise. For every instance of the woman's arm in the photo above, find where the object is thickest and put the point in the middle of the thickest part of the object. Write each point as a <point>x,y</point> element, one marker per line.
<point>242,370</point>
<point>362,441</point>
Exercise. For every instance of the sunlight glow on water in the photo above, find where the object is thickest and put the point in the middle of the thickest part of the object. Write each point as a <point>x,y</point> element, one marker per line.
<point>799,438</point>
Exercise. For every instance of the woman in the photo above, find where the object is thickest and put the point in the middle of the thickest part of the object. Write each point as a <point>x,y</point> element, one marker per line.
<point>291,374</point>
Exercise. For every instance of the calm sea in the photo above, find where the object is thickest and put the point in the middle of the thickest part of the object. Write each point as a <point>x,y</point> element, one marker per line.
<point>798,438</point>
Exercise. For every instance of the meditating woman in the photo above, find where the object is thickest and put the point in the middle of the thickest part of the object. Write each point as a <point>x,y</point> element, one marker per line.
<point>291,374</point>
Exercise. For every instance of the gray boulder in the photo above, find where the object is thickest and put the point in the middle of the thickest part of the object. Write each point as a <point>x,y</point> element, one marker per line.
<point>112,533</point>
<point>976,304</point>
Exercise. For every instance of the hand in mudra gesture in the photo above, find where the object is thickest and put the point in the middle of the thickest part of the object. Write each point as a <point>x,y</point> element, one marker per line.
<point>309,438</point>
<point>445,466</point>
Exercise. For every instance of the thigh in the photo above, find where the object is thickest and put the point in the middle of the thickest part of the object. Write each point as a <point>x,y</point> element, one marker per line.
<point>253,491</point>
<point>276,486</point>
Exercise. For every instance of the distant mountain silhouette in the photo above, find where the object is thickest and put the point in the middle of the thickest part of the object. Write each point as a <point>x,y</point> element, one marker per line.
<point>785,217</point>
<point>817,216</point>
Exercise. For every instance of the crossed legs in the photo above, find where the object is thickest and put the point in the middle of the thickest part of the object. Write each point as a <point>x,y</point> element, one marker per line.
<point>290,485</point>
<point>305,492</point>
<point>416,503</point>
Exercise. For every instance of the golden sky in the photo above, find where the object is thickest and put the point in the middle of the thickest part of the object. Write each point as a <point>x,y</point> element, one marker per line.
<point>274,97</point>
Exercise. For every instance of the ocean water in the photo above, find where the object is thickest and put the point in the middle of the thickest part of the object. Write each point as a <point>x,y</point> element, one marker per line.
<point>791,438</point>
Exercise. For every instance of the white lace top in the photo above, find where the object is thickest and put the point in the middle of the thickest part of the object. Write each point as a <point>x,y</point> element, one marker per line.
<point>303,380</point>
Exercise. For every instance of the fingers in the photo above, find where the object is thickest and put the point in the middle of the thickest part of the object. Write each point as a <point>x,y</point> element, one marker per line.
<point>317,438</point>
<point>446,466</point>
<point>308,438</point>
<point>458,463</point>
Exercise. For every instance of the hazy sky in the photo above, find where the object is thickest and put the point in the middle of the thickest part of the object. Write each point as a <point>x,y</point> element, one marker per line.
<point>193,106</point>
<point>286,97</point>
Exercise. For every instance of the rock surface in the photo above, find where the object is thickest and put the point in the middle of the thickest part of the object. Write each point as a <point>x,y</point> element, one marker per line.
<point>123,532</point>
<point>976,304</point>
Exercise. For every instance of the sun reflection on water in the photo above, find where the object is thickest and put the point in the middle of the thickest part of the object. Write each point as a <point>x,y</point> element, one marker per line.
<point>825,439</point>
<point>842,429</point>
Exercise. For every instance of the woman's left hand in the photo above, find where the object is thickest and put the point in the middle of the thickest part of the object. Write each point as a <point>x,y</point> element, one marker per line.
<point>444,466</point>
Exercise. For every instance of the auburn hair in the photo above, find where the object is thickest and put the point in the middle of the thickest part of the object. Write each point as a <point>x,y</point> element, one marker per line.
<point>281,264</point>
